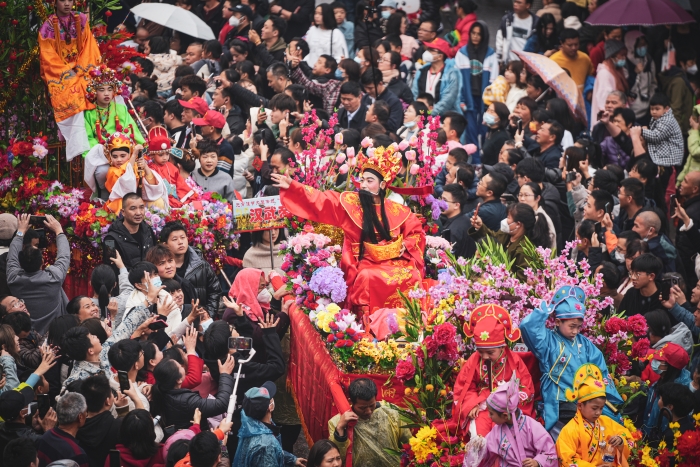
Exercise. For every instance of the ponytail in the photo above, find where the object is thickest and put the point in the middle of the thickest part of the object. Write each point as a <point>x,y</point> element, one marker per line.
<point>103,281</point>
<point>536,228</point>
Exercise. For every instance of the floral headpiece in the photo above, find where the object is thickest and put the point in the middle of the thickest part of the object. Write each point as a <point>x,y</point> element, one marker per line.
<point>385,161</point>
<point>119,140</point>
<point>102,76</point>
<point>490,325</point>
<point>588,384</point>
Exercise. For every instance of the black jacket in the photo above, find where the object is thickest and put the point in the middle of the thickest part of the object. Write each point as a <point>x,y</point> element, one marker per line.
<point>130,251</point>
<point>684,244</point>
<point>395,110</point>
<point>554,207</point>
<point>454,230</point>
<point>400,90</point>
<point>300,21</point>
<point>12,430</point>
<point>491,147</point>
<point>203,278</point>
<point>180,404</point>
<point>358,121</point>
<point>99,434</point>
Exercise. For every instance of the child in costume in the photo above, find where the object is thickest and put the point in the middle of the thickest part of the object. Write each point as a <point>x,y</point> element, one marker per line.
<point>67,52</point>
<point>159,150</point>
<point>489,326</point>
<point>515,440</point>
<point>591,439</point>
<point>560,352</point>
<point>126,173</point>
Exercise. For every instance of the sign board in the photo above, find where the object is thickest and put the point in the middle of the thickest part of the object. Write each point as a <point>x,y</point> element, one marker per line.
<point>263,213</point>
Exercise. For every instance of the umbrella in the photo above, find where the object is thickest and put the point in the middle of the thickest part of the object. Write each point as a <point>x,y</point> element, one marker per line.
<point>175,18</point>
<point>639,13</point>
<point>557,79</point>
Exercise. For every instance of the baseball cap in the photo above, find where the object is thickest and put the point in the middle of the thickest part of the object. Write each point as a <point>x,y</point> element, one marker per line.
<point>257,400</point>
<point>388,4</point>
<point>440,44</point>
<point>500,168</point>
<point>673,354</point>
<point>212,118</point>
<point>12,402</point>
<point>244,10</point>
<point>8,226</point>
<point>197,104</point>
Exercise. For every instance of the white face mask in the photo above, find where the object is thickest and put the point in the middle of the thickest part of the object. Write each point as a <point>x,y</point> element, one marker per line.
<point>692,70</point>
<point>619,257</point>
<point>264,296</point>
<point>233,22</point>
<point>505,226</point>
<point>427,57</point>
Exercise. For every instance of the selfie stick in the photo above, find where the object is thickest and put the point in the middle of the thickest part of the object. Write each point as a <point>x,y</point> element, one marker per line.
<point>232,400</point>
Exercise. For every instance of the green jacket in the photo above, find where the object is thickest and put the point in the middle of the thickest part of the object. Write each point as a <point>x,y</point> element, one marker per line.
<point>693,161</point>
<point>514,249</point>
<point>125,120</point>
<point>674,84</point>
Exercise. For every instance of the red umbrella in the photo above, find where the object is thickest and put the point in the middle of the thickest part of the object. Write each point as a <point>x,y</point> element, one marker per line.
<point>639,13</point>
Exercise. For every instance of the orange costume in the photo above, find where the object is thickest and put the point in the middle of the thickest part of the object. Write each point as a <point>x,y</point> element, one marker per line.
<point>68,51</point>
<point>374,281</point>
<point>489,326</point>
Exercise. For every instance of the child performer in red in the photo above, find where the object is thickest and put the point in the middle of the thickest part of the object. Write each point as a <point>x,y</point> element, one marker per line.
<point>159,150</point>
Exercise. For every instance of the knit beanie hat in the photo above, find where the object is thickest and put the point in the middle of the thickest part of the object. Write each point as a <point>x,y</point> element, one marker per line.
<point>612,47</point>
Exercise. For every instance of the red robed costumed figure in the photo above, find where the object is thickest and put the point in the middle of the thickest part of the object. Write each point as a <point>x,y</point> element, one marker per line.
<point>160,150</point>
<point>384,241</point>
<point>491,365</point>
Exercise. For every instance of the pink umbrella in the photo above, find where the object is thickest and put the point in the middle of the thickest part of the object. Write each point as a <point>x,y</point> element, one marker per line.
<point>639,13</point>
<point>556,78</point>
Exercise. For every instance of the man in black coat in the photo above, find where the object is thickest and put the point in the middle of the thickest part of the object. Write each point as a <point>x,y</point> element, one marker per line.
<point>372,82</point>
<point>297,14</point>
<point>690,190</point>
<point>455,222</point>
<point>355,105</point>
<point>132,236</point>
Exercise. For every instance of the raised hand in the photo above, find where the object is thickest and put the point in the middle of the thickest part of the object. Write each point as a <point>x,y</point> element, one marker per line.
<point>281,181</point>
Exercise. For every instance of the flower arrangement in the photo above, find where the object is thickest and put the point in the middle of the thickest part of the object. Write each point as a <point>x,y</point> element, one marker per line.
<point>620,340</point>
<point>91,222</point>
<point>686,447</point>
<point>379,357</point>
<point>436,255</point>
<point>329,281</point>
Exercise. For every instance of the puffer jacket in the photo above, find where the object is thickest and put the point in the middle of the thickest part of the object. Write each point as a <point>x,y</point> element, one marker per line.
<point>260,445</point>
<point>164,69</point>
<point>126,245</point>
<point>200,274</point>
<point>180,404</point>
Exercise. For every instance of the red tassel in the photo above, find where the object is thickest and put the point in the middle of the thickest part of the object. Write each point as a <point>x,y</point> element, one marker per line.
<point>117,125</point>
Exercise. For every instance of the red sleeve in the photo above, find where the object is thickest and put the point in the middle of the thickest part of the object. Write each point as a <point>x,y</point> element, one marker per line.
<point>193,378</point>
<point>314,205</point>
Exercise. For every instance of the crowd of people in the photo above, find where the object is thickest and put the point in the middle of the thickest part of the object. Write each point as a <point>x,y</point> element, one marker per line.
<point>124,369</point>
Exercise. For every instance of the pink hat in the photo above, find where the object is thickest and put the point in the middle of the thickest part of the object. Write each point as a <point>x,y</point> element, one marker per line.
<point>440,44</point>
<point>506,397</point>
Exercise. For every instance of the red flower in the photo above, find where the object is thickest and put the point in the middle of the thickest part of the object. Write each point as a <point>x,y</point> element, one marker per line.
<point>331,338</point>
<point>431,345</point>
<point>3,4</point>
<point>640,349</point>
<point>339,335</point>
<point>14,22</point>
<point>615,325</point>
<point>688,444</point>
<point>405,370</point>
<point>637,325</point>
<point>108,13</point>
<point>444,333</point>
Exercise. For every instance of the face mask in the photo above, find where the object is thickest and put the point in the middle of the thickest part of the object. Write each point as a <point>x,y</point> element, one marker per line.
<point>620,63</point>
<point>386,14</point>
<point>619,257</point>
<point>409,124</point>
<point>264,296</point>
<point>339,73</point>
<point>427,57</point>
<point>505,227</point>
<point>358,60</point>
<point>692,70</point>
<point>641,52</point>
<point>655,364</point>
<point>233,22</point>
<point>156,282</point>
<point>489,119</point>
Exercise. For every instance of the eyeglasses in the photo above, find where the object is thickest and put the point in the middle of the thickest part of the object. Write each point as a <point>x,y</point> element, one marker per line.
<point>525,195</point>
<point>447,200</point>
<point>17,303</point>
<point>635,275</point>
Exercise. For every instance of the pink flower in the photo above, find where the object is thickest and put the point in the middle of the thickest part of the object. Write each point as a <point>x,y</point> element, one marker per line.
<point>470,148</point>
<point>350,152</point>
<point>410,155</point>
<point>343,169</point>
<point>405,370</point>
<point>637,325</point>
<point>367,142</point>
<point>340,158</point>
<point>339,139</point>
<point>413,141</point>
<point>403,145</point>
<point>352,161</point>
<point>444,333</point>
<point>414,169</point>
<point>615,325</point>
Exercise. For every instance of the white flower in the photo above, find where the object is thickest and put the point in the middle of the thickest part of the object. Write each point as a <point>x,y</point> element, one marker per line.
<point>39,151</point>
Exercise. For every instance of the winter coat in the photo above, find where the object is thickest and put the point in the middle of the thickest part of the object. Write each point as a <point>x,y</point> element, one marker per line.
<point>164,69</point>
<point>128,460</point>
<point>12,430</point>
<point>42,290</point>
<point>126,245</point>
<point>99,434</point>
<point>693,161</point>
<point>643,84</point>
<point>207,286</point>
<point>674,83</point>
<point>260,445</point>
<point>488,75</point>
<point>680,335</point>
<point>180,404</point>
<point>400,90</point>
<point>463,26</point>
<point>447,90</point>
<point>684,244</point>
<point>612,152</point>
<point>325,42</point>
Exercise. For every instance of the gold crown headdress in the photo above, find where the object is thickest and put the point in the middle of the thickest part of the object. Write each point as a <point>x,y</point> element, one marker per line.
<point>385,161</point>
<point>119,140</point>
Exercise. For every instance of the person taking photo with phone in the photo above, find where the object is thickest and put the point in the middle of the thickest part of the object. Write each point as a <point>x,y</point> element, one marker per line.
<point>40,287</point>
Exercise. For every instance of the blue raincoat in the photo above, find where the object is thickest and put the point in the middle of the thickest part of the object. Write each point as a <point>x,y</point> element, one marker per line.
<point>259,446</point>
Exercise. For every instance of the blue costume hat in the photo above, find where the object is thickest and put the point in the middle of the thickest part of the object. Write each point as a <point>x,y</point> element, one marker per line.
<point>568,302</point>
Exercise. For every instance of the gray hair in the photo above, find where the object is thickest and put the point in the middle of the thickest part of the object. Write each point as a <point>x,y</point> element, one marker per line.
<point>620,95</point>
<point>69,407</point>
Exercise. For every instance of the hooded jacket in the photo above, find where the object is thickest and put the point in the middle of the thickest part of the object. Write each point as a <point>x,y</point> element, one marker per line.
<point>681,335</point>
<point>260,445</point>
<point>504,36</point>
<point>463,25</point>
<point>202,277</point>
<point>447,89</point>
<point>488,75</point>
<point>129,249</point>
<point>99,434</point>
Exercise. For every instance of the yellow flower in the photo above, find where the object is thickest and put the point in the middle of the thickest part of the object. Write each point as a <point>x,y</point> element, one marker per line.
<point>662,445</point>
<point>407,391</point>
<point>423,444</point>
<point>323,320</point>
<point>623,381</point>
<point>674,425</point>
<point>443,393</point>
<point>332,308</point>
<point>429,387</point>
<point>415,390</point>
